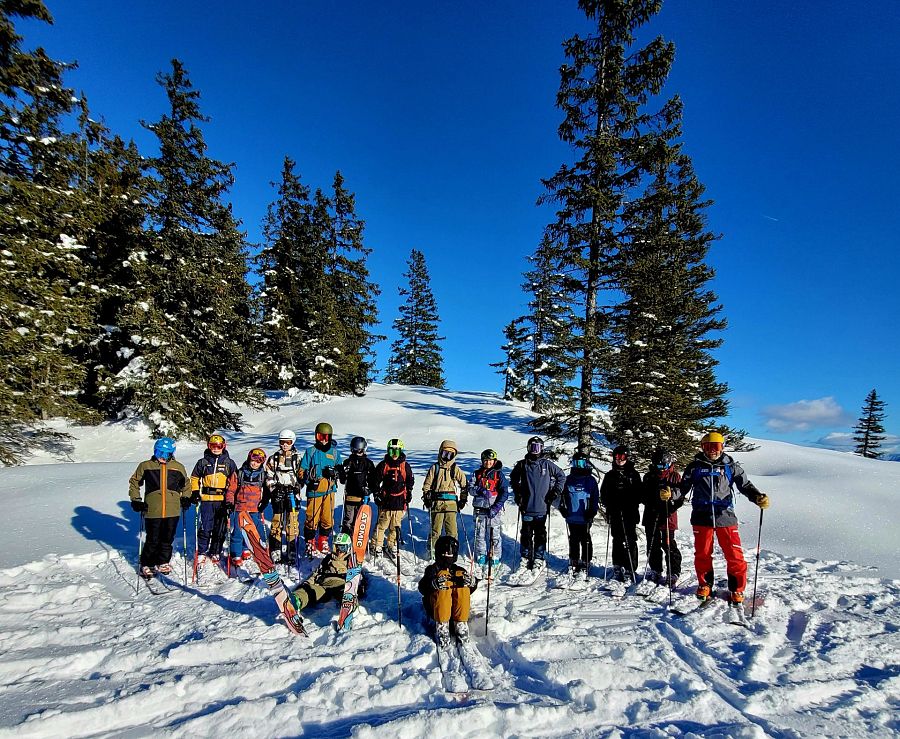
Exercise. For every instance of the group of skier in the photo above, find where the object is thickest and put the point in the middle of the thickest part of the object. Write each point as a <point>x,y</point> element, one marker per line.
<point>219,489</point>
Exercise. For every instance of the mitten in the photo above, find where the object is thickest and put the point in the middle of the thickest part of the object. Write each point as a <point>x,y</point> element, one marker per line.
<point>441,582</point>
<point>185,503</point>
<point>138,506</point>
<point>463,499</point>
<point>328,473</point>
<point>195,497</point>
<point>665,494</point>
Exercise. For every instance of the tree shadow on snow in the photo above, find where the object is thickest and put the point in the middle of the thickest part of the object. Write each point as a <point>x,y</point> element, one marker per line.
<point>113,532</point>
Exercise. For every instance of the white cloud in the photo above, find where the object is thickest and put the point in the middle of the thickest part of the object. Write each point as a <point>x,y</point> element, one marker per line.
<point>804,415</point>
<point>843,442</point>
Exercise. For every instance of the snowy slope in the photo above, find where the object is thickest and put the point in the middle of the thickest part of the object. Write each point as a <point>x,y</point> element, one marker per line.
<point>82,656</point>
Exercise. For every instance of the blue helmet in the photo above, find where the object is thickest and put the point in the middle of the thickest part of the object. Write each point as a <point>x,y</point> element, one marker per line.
<point>164,448</point>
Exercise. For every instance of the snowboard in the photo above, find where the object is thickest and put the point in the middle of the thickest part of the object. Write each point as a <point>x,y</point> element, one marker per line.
<point>362,528</point>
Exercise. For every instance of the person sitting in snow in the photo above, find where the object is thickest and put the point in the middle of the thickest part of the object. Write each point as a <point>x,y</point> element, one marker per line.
<point>446,590</point>
<point>330,577</point>
<point>166,494</point>
<point>710,477</point>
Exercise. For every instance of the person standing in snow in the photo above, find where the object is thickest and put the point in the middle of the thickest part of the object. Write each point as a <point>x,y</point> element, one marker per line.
<point>489,493</point>
<point>322,467</point>
<point>535,480</point>
<point>660,518</point>
<point>283,477</point>
<point>578,504</point>
<point>444,493</point>
<point>247,498</point>
<point>620,496</point>
<point>393,494</point>
<point>214,475</point>
<point>446,592</point>
<point>710,477</point>
<point>166,494</point>
<point>361,481</point>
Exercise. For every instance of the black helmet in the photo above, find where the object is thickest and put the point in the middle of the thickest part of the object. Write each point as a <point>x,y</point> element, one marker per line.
<point>446,548</point>
<point>358,445</point>
<point>662,459</point>
<point>535,446</point>
<point>620,451</point>
<point>488,454</point>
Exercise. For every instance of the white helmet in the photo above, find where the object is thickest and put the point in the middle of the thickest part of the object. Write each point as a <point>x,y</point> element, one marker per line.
<point>287,435</point>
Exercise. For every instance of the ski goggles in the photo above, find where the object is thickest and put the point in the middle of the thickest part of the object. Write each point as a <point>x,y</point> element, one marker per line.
<point>620,456</point>
<point>394,452</point>
<point>323,438</point>
<point>257,455</point>
<point>215,446</point>
<point>580,463</point>
<point>447,454</point>
<point>535,447</point>
<point>713,448</point>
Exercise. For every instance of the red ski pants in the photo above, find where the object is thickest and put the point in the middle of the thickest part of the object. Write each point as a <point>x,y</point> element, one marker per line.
<point>730,543</point>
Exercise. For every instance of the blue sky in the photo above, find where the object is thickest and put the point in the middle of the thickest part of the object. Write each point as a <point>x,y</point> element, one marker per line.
<point>442,119</point>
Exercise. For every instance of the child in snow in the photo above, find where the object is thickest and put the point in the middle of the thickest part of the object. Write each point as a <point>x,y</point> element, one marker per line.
<point>446,591</point>
<point>578,504</point>
<point>661,518</point>
<point>327,582</point>
<point>359,472</point>
<point>535,480</point>
<point>248,497</point>
<point>710,477</point>
<point>444,493</point>
<point>166,494</point>
<point>322,467</point>
<point>214,475</point>
<point>489,493</point>
<point>620,496</point>
<point>283,485</point>
<point>393,495</point>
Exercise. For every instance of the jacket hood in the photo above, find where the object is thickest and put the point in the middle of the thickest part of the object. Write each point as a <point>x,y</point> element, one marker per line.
<point>448,444</point>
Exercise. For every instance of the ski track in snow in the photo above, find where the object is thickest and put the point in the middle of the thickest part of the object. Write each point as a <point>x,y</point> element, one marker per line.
<point>83,655</point>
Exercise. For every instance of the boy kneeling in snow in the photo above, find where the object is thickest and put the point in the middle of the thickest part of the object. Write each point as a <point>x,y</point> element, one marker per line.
<point>445,589</point>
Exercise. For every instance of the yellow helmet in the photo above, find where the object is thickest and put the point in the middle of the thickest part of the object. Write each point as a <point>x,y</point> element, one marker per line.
<point>713,437</point>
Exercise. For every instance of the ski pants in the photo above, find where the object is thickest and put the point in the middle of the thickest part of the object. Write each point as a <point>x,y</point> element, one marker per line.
<point>730,542</point>
<point>624,543</point>
<point>319,517</point>
<point>158,544</point>
<point>239,541</point>
<point>388,522</point>
<point>452,603</point>
<point>483,521</point>
<point>282,511</point>
<point>316,590</point>
<point>581,547</point>
<point>443,521</point>
<point>660,542</point>
<point>534,538</point>
<point>351,508</point>
<point>213,525</point>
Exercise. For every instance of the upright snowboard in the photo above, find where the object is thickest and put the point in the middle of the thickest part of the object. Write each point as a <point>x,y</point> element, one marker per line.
<point>272,579</point>
<point>362,528</point>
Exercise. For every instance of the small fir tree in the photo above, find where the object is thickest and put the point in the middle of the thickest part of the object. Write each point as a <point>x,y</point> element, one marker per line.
<point>416,357</point>
<point>869,430</point>
<point>515,368</point>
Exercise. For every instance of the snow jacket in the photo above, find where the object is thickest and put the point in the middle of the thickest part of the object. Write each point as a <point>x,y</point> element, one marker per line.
<point>654,508</point>
<point>490,490</point>
<point>317,458</point>
<point>457,578</point>
<point>531,479</point>
<point>395,483</point>
<point>165,484</point>
<point>444,482</point>
<point>359,472</point>
<point>580,499</point>
<point>214,475</point>
<point>620,494</point>
<point>710,483</point>
<point>283,473</point>
<point>250,488</point>
<point>331,574</point>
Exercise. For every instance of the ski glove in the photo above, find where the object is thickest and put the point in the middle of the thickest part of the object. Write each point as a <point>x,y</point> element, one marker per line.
<point>550,497</point>
<point>426,499</point>
<point>441,582</point>
<point>762,500</point>
<point>408,499</point>
<point>195,497</point>
<point>328,473</point>
<point>665,494</point>
<point>139,506</point>
<point>185,503</point>
<point>463,499</point>
<point>495,510</point>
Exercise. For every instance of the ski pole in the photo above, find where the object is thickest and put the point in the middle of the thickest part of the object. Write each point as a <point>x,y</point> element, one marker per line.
<point>399,595</point>
<point>490,539</point>
<point>137,583</point>
<point>518,541</point>
<point>465,531</point>
<point>227,540</point>
<point>412,538</point>
<point>184,543</point>
<point>669,553</point>
<point>627,545</point>
<point>196,539</point>
<point>606,556</point>
<point>756,573</point>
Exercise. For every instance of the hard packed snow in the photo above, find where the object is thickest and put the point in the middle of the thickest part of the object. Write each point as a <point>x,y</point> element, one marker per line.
<point>82,654</point>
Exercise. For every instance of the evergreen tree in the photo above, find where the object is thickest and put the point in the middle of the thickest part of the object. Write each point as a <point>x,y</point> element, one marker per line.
<point>416,357</point>
<point>187,320</point>
<point>515,366</point>
<point>869,430</point>
<point>45,297</point>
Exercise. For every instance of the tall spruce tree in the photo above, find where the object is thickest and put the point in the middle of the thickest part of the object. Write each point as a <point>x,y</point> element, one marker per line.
<point>187,322</point>
<point>869,430</point>
<point>515,368</point>
<point>45,296</point>
<point>416,357</point>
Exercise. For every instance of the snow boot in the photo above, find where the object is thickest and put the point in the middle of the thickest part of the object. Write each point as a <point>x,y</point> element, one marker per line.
<point>246,554</point>
<point>237,562</point>
<point>619,574</point>
<point>581,572</point>
<point>390,552</point>
<point>654,576</point>
<point>462,630</point>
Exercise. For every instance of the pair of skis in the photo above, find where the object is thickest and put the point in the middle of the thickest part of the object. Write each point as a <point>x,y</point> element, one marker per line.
<point>463,667</point>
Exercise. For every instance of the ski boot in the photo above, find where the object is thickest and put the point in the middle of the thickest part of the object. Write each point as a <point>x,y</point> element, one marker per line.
<point>703,593</point>
<point>462,630</point>
<point>442,634</point>
<point>736,598</point>
<point>323,546</point>
<point>147,572</point>
<point>164,569</point>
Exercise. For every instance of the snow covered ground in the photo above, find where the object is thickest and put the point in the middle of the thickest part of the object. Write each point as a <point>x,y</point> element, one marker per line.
<point>83,656</point>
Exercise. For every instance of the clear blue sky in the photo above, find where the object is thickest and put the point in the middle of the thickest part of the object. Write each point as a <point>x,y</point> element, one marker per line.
<point>441,117</point>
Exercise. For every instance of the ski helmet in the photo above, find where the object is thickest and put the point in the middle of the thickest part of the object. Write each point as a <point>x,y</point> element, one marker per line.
<point>580,460</point>
<point>620,452</point>
<point>358,445</point>
<point>448,450</point>
<point>395,448</point>
<point>662,459</point>
<point>535,446</point>
<point>712,444</point>
<point>488,455</point>
<point>287,435</point>
<point>216,443</point>
<point>342,543</point>
<point>324,428</point>
<point>164,448</point>
<point>446,549</point>
<point>256,455</point>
